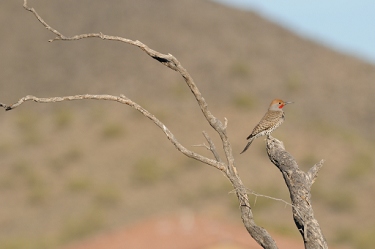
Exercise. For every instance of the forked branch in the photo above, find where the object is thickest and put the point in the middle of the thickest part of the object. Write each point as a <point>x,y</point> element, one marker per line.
<point>261,236</point>
<point>298,182</point>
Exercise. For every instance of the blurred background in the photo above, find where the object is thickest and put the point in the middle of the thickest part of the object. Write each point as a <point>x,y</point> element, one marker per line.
<point>77,170</point>
<point>344,26</point>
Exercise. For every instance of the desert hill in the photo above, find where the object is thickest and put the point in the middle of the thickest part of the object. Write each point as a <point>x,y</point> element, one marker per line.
<point>75,169</point>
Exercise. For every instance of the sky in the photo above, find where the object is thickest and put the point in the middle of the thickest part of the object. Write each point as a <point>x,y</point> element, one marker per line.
<point>347,26</point>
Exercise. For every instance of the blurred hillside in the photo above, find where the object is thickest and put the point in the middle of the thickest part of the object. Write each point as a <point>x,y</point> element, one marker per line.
<point>70,170</point>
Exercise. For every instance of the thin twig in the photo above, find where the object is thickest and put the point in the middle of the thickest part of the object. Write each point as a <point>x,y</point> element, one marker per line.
<point>252,192</point>
<point>313,172</point>
<point>212,147</point>
<point>202,145</point>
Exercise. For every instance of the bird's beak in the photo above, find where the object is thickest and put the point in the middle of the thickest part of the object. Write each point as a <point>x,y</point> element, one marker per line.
<point>288,102</point>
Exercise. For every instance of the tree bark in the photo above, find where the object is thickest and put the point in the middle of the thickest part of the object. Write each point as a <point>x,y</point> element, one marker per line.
<point>299,184</point>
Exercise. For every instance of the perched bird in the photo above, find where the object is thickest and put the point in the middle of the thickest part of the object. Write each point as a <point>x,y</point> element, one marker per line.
<point>273,118</point>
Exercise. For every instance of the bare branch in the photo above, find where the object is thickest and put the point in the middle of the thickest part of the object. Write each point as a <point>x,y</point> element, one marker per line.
<point>167,60</point>
<point>300,195</point>
<point>259,234</point>
<point>202,145</point>
<point>225,123</point>
<point>313,172</point>
<point>252,192</point>
<point>123,100</point>
<point>212,147</point>
<point>299,185</point>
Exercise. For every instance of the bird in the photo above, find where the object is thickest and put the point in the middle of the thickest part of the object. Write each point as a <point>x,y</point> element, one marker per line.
<point>273,118</point>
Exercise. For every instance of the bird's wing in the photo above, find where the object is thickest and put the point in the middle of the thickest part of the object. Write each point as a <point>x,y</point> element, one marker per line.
<point>268,120</point>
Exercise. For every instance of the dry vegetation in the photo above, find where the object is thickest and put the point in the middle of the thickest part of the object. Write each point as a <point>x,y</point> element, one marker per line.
<point>73,169</point>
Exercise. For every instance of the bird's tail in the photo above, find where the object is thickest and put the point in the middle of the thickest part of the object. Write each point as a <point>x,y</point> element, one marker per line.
<point>247,146</point>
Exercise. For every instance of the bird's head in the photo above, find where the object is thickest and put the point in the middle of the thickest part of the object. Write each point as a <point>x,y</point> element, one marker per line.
<point>278,104</point>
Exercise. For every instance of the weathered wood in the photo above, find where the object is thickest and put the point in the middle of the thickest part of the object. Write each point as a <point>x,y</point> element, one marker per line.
<point>299,184</point>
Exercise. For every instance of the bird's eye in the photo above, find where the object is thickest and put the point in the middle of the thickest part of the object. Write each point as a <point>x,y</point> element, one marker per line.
<point>279,103</point>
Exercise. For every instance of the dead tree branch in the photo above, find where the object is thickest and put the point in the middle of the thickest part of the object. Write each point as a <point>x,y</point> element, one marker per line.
<point>123,100</point>
<point>299,184</point>
<point>260,235</point>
